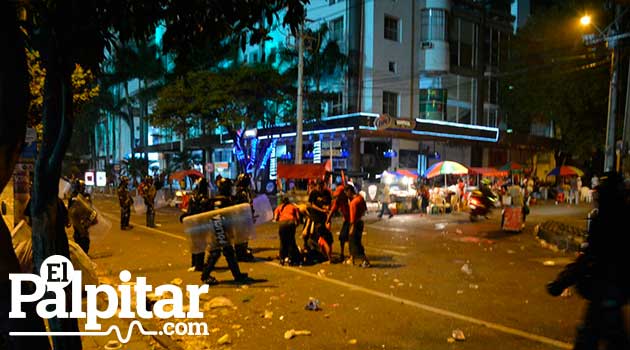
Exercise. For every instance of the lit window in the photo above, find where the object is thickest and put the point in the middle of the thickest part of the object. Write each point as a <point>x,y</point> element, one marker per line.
<point>391,28</point>
<point>390,103</point>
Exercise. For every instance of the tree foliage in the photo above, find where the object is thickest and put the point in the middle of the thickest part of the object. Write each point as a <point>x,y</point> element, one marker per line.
<point>84,88</point>
<point>553,76</point>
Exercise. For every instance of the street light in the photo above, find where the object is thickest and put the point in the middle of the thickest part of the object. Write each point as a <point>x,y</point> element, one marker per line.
<point>585,20</point>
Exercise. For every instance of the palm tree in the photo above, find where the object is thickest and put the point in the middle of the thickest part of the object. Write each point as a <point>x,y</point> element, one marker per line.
<point>322,62</point>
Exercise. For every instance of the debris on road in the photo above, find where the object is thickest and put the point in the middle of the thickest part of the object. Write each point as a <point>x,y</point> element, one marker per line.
<point>218,302</point>
<point>268,314</point>
<point>549,263</point>
<point>467,269</point>
<point>458,335</point>
<point>473,286</point>
<point>291,333</point>
<point>352,341</point>
<point>113,345</point>
<point>225,339</point>
<point>312,305</point>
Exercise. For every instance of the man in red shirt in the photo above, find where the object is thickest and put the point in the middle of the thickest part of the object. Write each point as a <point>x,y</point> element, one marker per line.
<point>341,204</point>
<point>288,216</point>
<point>358,208</point>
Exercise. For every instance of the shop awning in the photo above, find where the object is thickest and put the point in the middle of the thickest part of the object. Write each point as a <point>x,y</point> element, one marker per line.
<point>303,171</point>
<point>493,172</point>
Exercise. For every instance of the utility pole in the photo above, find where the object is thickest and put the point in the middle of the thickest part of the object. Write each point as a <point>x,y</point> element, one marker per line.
<point>609,155</point>
<point>298,133</point>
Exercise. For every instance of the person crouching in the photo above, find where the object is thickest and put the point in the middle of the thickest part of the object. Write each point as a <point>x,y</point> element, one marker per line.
<point>287,215</point>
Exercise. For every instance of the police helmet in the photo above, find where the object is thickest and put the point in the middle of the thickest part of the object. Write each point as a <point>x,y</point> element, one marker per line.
<point>243,180</point>
<point>225,186</point>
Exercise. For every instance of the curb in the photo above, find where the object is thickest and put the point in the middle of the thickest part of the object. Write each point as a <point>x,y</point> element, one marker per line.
<point>559,236</point>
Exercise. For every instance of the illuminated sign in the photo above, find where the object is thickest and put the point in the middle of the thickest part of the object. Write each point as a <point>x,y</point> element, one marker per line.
<point>101,179</point>
<point>89,178</point>
<point>317,152</point>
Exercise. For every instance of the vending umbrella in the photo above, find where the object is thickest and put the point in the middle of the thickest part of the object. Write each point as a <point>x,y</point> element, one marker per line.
<point>565,170</point>
<point>446,167</point>
<point>512,166</point>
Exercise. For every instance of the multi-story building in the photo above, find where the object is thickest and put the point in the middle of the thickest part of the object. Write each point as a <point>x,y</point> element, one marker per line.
<point>421,83</point>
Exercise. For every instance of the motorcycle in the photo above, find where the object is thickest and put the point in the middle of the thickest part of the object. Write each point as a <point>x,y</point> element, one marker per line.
<point>480,204</point>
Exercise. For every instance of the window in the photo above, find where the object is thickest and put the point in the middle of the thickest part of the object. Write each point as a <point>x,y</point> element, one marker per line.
<point>466,41</point>
<point>335,28</point>
<point>332,2</point>
<point>335,105</point>
<point>453,38</point>
<point>391,28</point>
<point>390,103</point>
<point>393,67</point>
<point>433,25</point>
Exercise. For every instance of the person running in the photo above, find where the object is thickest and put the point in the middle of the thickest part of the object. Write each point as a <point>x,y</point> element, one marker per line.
<point>358,208</point>
<point>288,216</point>
<point>341,204</point>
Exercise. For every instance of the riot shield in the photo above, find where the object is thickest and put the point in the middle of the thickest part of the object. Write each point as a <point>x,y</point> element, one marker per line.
<point>218,228</point>
<point>81,213</point>
<point>262,210</point>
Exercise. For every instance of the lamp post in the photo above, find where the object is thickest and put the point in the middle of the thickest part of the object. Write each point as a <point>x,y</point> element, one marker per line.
<point>610,36</point>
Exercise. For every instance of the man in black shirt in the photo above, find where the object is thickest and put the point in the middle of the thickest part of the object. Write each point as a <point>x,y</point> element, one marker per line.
<point>319,201</point>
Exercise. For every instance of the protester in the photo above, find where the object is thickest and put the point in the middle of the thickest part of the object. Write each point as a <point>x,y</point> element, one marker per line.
<point>600,272</point>
<point>341,204</point>
<point>319,201</point>
<point>288,216</point>
<point>358,208</point>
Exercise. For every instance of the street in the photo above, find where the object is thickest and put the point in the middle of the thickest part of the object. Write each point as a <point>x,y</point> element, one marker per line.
<point>431,275</point>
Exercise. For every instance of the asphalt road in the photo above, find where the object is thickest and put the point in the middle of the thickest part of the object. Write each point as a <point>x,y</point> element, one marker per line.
<point>414,297</point>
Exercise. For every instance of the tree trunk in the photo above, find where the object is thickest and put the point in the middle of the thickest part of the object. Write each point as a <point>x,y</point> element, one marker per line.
<point>132,140</point>
<point>47,212</point>
<point>14,100</point>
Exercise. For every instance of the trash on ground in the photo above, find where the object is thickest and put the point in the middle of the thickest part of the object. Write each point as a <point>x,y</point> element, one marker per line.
<point>218,302</point>
<point>450,340</point>
<point>352,341</point>
<point>291,333</point>
<point>467,269</point>
<point>225,339</point>
<point>458,335</point>
<point>268,314</point>
<point>440,225</point>
<point>113,345</point>
<point>459,232</point>
<point>473,286</point>
<point>459,291</point>
<point>549,263</point>
<point>312,305</point>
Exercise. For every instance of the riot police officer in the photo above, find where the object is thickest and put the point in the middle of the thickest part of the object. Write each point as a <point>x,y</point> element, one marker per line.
<point>199,203</point>
<point>78,188</point>
<point>222,200</point>
<point>148,194</point>
<point>600,272</point>
<point>125,200</point>
<point>244,195</point>
<point>80,216</point>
